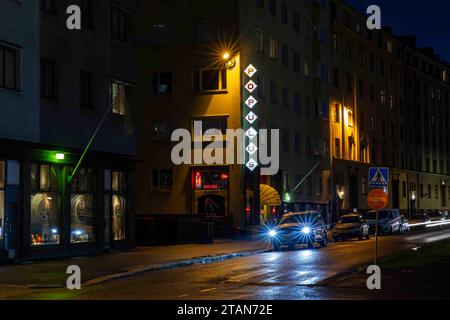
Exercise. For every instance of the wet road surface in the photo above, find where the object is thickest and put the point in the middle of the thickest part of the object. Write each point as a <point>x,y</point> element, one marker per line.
<point>287,275</point>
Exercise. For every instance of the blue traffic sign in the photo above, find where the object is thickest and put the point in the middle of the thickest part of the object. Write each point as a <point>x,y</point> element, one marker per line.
<point>378,177</point>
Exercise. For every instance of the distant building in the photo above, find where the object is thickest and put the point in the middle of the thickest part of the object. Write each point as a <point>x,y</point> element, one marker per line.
<point>59,85</point>
<point>389,107</point>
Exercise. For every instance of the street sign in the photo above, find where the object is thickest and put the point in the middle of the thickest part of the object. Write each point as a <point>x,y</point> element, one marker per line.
<point>378,177</point>
<point>377,199</point>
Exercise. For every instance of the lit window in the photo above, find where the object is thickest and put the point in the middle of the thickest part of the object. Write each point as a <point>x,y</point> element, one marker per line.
<point>119,208</point>
<point>273,48</point>
<point>45,223</point>
<point>83,218</point>
<point>119,98</point>
<point>350,118</point>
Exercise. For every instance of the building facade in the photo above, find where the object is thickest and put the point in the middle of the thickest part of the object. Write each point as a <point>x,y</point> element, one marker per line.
<point>192,62</point>
<point>390,108</point>
<point>76,88</point>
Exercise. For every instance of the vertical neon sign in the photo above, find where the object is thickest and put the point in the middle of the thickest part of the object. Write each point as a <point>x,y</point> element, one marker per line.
<point>251,118</point>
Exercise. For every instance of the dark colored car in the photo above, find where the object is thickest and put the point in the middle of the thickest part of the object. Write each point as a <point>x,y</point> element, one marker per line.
<point>296,229</point>
<point>351,226</point>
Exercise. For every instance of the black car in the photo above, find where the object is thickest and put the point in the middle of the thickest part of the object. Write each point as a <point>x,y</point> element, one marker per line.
<point>296,229</point>
<point>351,226</point>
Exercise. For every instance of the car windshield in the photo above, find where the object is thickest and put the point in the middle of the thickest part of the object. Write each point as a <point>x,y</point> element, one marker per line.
<point>298,218</point>
<point>381,215</point>
<point>349,220</point>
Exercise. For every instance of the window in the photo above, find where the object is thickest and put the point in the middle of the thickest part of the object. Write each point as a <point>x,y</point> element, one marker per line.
<point>273,92</point>
<point>119,28</point>
<point>48,5</point>
<point>307,68</point>
<point>45,223</point>
<point>296,22</point>
<point>119,98</point>
<point>161,131</point>
<point>86,90</point>
<point>337,148</point>
<point>208,30</point>
<point>87,14</point>
<point>273,48</point>
<point>48,79</point>
<point>260,41</point>
<point>261,85</point>
<point>9,68</point>
<point>335,43</point>
<point>285,97</point>
<point>162,179</point>
<point>349,83</point>
<point>337,113</point>
<point>390,47</point>
<point>285,55</point>
<point>296,62</point>
<point>162,83</point>
<point>2,203</point>
<point>298,143</point>
<point>273,7</point>
<point>350,118</point>
<point>160,35</point>
<point>217,123</point>
<point>119,205</point>
<point>83,218</point>
<point>210,80</point>
<point>336,77</point>
<point>296,101</point>
<point>382,97</point>
<point>284,13</point>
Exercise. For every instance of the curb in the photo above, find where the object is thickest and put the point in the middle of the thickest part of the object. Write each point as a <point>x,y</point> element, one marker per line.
<point>171,265</point>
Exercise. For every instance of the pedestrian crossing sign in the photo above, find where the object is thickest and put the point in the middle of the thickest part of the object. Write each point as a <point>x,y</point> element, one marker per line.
<point>378,177</point>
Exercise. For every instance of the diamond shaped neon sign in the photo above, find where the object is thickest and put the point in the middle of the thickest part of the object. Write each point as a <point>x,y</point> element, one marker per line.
<point>251,149</point>
<point>252,164</point>
<point>251,133</point>
<point>250,71</point>
<point>251,86</point>
<point>251,102</point>
<point>251,117</point>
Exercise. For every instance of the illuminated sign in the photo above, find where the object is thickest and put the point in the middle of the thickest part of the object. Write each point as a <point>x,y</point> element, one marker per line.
<point>251,86</point>
<point>250,118</point>
<point>250,71</point>
<point>251,102</point>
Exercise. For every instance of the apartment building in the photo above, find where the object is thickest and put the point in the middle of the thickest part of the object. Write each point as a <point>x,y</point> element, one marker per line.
<point>388,108</point>
<point>71,85</point>
<point>183,78</point>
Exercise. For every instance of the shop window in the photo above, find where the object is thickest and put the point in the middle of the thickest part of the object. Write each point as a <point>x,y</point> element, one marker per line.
<point>45,205</point>
<point>83,218</point>
<point>2,203</point>
<point>119,191</point>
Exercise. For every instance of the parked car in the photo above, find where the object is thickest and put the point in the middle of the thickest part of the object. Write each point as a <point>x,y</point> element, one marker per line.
<point>404,226</point>
<point>389,221</point>
<point>351,226</point>
<point>301,228</point>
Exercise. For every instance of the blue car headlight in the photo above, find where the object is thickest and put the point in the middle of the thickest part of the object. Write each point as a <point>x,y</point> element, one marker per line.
<point>273,233</point>
<point>306,230</point>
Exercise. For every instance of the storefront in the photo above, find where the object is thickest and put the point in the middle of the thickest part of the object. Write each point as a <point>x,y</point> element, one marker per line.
<point>45,212</point>
<point>210,194</point>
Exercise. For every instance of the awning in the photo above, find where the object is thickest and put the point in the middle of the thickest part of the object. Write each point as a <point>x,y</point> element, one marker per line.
<point>269,196</point>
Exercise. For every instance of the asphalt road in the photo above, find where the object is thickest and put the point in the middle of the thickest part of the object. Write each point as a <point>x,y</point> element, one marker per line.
<point>287,275</point>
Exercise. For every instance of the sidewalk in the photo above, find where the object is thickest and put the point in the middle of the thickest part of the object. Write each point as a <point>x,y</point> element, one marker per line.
<point>100,268</point>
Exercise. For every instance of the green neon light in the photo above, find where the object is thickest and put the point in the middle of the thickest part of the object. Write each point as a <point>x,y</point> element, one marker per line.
<point>60,156</point>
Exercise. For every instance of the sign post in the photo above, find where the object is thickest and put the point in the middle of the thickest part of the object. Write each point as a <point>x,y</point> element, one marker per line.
<point>378,198</point>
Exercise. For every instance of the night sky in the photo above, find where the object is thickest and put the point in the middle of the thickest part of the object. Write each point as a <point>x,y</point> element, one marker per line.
<point>429,20</point>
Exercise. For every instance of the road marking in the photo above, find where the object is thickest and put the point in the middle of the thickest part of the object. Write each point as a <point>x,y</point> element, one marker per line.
<point>248,275</point>
<point>208,290</point>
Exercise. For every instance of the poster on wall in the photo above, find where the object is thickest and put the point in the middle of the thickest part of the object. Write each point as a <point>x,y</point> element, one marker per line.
<point>44,219</point>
